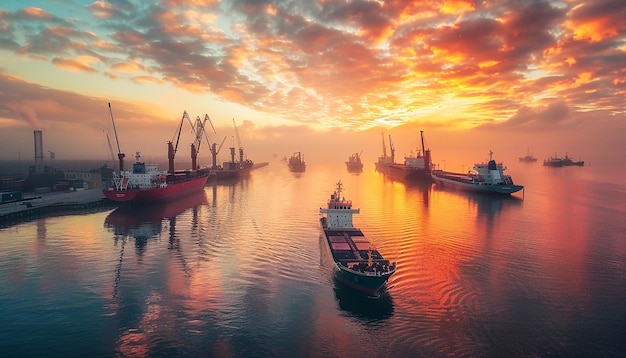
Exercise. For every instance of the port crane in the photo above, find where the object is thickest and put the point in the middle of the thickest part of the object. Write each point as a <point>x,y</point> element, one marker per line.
<point>120,155</point>
<point>199,129</point>
<point>244,163</point>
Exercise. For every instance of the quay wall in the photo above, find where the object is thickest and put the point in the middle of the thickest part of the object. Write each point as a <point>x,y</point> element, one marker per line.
<point>50,203</point>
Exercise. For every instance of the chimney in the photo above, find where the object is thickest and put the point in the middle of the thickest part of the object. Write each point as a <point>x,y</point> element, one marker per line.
<point>38,152</point>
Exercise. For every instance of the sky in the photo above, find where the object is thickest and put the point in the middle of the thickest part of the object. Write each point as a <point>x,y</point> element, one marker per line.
<point>324,77</point>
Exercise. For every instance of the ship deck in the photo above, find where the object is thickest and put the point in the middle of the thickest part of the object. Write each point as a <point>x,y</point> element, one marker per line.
<point>350,248</point>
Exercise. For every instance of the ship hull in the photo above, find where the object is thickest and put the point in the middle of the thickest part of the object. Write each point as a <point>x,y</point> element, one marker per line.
<point>153,195</point>
<point>371,283</point>
<point>354,168</point>
<point>222,174</point>
<point>402,173</point>
<point>297,168</point>
<point>459,181</point>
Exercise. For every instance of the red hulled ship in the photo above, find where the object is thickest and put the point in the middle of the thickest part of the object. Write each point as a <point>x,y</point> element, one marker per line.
<point>145,183</point>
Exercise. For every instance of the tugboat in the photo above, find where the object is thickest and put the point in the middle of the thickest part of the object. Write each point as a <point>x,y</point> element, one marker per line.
<point>296,163</point>
<point>357,264</point>
<point>485,177</point>
<point>354,163</point>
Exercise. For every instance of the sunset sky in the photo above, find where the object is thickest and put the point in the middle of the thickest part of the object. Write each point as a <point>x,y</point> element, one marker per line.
<point>313,75</point>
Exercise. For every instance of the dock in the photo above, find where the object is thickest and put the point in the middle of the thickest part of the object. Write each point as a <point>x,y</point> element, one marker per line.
<point>36,205</point>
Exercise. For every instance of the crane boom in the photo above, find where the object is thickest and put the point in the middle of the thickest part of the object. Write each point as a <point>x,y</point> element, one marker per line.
<point>120,155</point>
<point>237,134</point>
<point>221,144</point>
<point>110,147</point>
<point>114,130</point>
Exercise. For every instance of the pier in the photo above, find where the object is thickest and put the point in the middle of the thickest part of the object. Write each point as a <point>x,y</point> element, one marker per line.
<point>35,205</point>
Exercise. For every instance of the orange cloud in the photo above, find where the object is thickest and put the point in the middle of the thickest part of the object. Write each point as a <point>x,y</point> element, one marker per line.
<point>595,30</point>
<point>146,79</point>
<point>457,7</point>
<point>130,67</point>
<point>595,22</point>
<point>103,9</point>
<point>79,64</point>
<point>36,13</point>
<point>60,31</point>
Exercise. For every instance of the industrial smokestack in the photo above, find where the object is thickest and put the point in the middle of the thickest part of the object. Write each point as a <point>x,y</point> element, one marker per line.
<point>38,152</point>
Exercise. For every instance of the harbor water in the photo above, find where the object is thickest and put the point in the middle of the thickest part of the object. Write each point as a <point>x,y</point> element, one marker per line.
<point>240,271</point>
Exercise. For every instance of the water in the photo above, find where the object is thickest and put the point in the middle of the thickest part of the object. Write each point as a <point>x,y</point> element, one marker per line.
<point>239,271</point>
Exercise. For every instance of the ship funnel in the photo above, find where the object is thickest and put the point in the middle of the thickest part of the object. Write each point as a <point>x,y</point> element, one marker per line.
<point>38,152</point>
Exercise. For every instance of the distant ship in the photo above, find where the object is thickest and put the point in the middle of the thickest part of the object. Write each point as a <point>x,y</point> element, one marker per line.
<point>562,162</point>
<point>416,168</point>
<point>553,162</point>
<point>385,161</point>
<point>485,177</point>
<point>357,263</point>
<point>296,163</point>
<point>528,158</point>
<point>232,169</point>
<point>567,161</point>
<point>145,183</point>
<point>354,163</point>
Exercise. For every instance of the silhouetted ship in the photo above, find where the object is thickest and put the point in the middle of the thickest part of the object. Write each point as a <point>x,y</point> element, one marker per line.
<point>553,162</point>
<point>416,168</point>
<point>485,177</point>
<point>296,163</point>
<point>528,158</point>
<point>357,263</point>
<point>354,164</point>
<point>232,169</point>
<point>145,183</point>
<point>562,162</point>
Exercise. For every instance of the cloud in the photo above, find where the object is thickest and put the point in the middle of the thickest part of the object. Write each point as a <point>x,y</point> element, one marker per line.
<point>597,21</point>
<point>77,64</point>
<point>352,63</point>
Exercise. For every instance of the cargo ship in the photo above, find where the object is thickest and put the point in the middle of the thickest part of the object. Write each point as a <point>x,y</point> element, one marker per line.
<point>484,177</point>
<point>357,263</point>
<point>296,163</point>
<point>145,183</point>
<point>416,168</point>
<point>232,169</point>
<point>354,164</point>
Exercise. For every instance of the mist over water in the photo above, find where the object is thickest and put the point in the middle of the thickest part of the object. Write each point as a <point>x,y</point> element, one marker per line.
<point>240,270</point>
